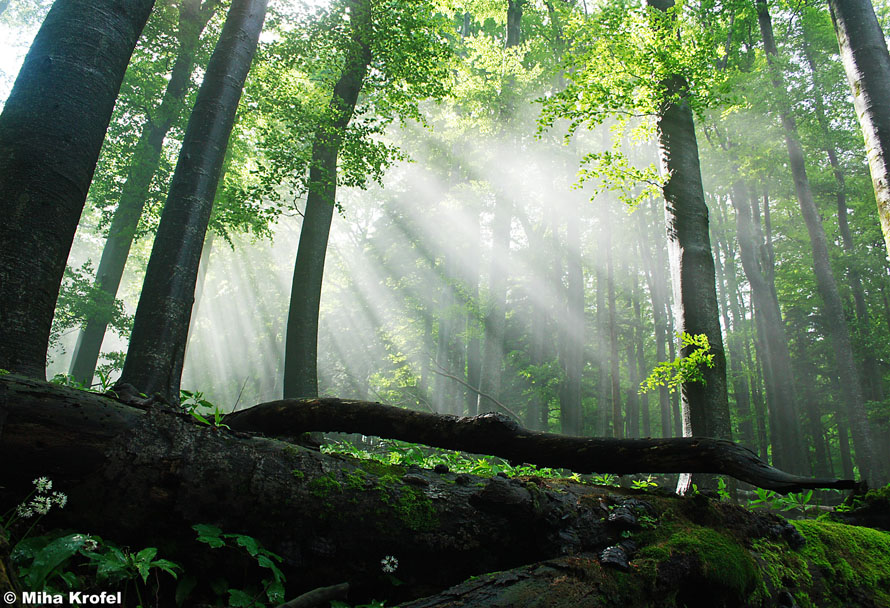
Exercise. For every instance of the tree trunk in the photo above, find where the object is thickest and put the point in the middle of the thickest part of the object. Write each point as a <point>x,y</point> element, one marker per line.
<point>160,329</point>
<point>301,344</point>
<point>736,371</point>
<point>705,404</point>
<point>474,354</point>
<point>658,293</point>
<point>603,392</point>
<point>788,450</point>
<point>642,368</point>
<point>572,332</point>
<point>867,64</point>
<point>614,362</point>
<point>871,373</point>
<point>833,307</point>
<point>495,316</point>
<point>51,130</point>
<point>146,157</point>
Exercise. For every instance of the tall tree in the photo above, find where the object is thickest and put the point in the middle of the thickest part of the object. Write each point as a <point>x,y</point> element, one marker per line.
<point>871,373</point>
<point>160,328</point>
<point>301,345</point>
<point>827,286</point>
<point>867,64</point>
<point>193,17</point>
<point>495,317</point>
<point>705,406</point>
<point>51,130</point>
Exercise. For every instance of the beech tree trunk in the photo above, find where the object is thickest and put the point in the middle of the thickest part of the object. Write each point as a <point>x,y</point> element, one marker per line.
<point>867,64</point>
<point>160,328</point>
<point>193,17</point>
<point>705,405</point>
<point>301,344</point>
<point>832,304</point>
<point>51,130</point>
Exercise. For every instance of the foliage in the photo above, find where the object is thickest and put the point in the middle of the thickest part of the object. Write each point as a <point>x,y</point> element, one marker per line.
<point>79,299</point>
<point>400,453</point>
<point>272,587</point>
<point>192,402</point>
<point>800,501</point>
<point>683,369</point>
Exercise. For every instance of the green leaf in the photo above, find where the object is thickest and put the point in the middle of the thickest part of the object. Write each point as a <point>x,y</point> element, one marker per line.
<point>248,542</point>
<point>50,557</point>
<point>239,599</point>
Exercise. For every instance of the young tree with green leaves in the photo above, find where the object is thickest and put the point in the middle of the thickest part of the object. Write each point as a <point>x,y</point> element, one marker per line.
<point>51,130</point>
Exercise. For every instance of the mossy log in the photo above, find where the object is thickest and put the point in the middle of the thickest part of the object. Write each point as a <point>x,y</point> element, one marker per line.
<point>144,475</point>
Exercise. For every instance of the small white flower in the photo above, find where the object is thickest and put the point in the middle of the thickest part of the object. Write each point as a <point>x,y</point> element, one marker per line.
<point>41,504</point>
<point>43,484</point>
<point>389,564</point>
<point>90,544</point>
<point>24,511</point>
<point>60,499</point>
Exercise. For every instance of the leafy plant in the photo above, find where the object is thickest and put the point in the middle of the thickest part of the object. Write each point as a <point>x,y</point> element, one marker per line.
<point>722,489</point>
<point>792,502</point>
<point>606,479</point>
<point>272,587</point>
<point>643,484</point>
<point>683,369</point>
<point>191,402</point>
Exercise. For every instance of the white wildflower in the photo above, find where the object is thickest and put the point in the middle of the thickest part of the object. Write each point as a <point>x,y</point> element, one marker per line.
<point>389,564</point>
<point>41,504</point>
<point>24,511</point>
<point>43,484</point>
<point>60,499</point>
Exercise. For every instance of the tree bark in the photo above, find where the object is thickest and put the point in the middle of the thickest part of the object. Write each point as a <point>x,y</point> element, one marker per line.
<point>705,404</point>
<point>160,328</point>
<point>867,64</point>
<point>301,344</point>
<point>833,308</point>
<point>51,130</point>
<point>146,158</point>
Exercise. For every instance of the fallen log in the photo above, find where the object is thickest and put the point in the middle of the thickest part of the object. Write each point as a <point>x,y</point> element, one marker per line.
<point>499,435</point>
<point>144,476</point>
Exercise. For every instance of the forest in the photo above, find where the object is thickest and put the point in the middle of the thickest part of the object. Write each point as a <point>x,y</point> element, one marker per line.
<point>475,303</point>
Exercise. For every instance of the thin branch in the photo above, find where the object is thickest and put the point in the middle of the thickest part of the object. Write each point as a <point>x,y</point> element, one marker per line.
<point>503,407</point>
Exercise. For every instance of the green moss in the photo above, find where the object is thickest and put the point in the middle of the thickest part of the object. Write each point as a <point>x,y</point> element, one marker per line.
<point>725,563</point>
<point>324,486</point>
<point>380,469</point>
<point>298,474</point>
<point>412,507</point>
<point>851,557</point>
<point>356,480</point>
